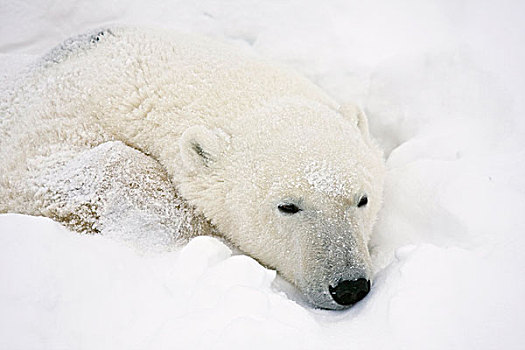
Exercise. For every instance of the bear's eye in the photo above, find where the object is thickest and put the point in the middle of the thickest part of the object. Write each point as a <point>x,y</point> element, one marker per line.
<point>362,202</point>
<point>288,208</point>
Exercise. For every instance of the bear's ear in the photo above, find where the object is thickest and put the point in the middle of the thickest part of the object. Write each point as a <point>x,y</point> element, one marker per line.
<point>355,115</point>
<point>201,148</point>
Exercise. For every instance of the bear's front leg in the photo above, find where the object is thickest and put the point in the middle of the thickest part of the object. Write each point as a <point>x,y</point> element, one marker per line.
<point>120,192</point>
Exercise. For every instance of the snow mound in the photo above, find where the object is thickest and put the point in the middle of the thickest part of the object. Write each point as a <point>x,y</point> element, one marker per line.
<point>65,290</point>
<point>62,289</point>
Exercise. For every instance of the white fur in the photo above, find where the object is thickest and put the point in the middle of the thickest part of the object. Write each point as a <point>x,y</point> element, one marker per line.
<point>236,136</point>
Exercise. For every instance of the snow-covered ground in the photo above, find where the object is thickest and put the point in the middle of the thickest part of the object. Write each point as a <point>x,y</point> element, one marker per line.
<point>442,83</point>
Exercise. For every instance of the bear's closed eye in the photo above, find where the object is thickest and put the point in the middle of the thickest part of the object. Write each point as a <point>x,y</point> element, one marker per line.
<point>288,208</point>
<point>362,202</point>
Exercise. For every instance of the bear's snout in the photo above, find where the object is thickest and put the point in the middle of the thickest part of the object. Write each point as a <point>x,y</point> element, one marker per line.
<point>348,292</point>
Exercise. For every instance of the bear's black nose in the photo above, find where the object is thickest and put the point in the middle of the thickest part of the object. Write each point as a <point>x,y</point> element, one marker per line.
<point>350,292</point>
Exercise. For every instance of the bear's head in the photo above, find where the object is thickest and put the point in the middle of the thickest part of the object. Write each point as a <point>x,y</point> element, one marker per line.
<point>297,185</point>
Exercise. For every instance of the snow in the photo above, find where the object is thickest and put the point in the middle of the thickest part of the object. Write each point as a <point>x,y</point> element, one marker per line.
<point>441,82</point>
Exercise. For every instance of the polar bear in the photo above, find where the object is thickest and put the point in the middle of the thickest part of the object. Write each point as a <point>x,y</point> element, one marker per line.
<point>175,135</point>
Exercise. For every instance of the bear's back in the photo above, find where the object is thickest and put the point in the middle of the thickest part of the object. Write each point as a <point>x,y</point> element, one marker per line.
<point>143,87</point>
